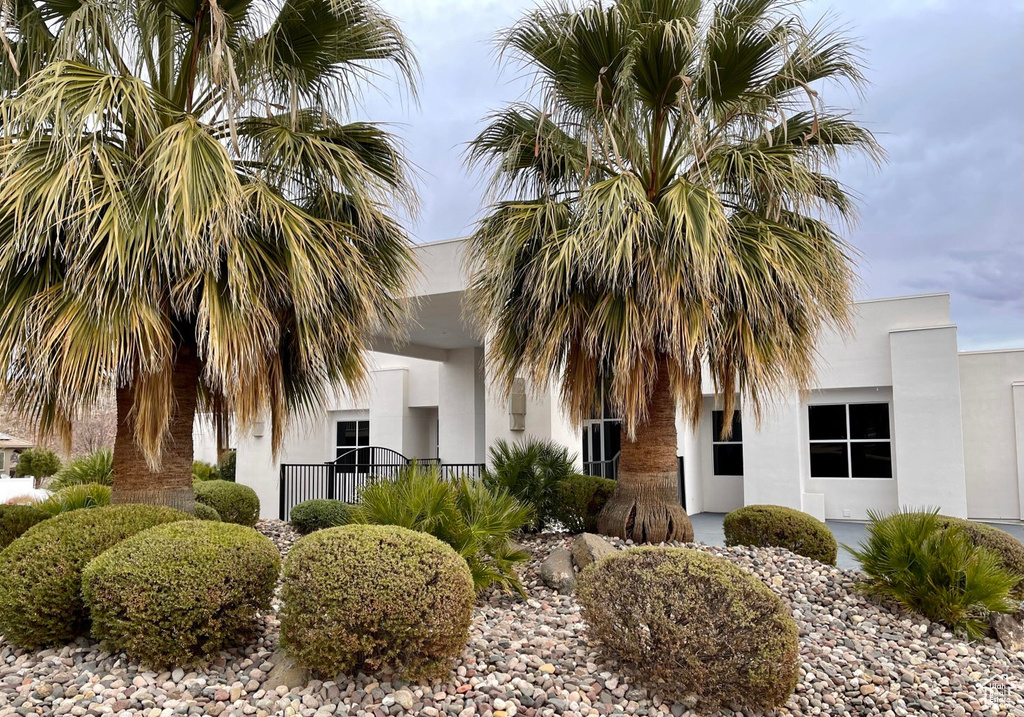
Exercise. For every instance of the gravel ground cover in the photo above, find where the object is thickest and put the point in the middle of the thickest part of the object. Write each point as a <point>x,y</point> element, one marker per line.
<point>531,658</point>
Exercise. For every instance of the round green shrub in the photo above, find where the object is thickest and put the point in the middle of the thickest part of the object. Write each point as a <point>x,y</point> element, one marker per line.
<point>16,519</point>
<point>40,593</point>
<point>179,593</point>
<point>366,597</point>
<point>312,515</point>
<point>1007,548</point>
<point>579,500</point>
<point>36,462</point>
<point>773,526</point>
<point>205,512</point>
<point>76,497</point>
<point>236,503</point>
<point>693,626</point>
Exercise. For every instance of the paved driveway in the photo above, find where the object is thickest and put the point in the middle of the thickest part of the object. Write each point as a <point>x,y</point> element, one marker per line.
<point>707,528</point>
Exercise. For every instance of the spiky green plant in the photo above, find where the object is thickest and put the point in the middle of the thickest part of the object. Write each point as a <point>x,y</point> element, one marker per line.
<point>530,470</point>
<point>76,497</point>
<point>187,217</point>
<point>932,567</point>
<point>479,522</point>
<point>201,471</point>
<point>664,218</point>
<point>96,467</point>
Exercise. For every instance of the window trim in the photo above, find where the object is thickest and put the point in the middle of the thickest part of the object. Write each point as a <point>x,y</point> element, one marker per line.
<point>848,441</point>
<point>716,441</point>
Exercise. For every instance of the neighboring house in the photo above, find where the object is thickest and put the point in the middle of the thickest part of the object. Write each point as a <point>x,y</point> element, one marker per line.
<point>897,417</point>
<point>10,448</point>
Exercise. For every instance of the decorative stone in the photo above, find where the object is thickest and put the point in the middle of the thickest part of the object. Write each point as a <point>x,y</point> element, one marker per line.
<point>557,572</point>
<point>588,548</point>
<point>286,673</point>
<point>1008,630</point>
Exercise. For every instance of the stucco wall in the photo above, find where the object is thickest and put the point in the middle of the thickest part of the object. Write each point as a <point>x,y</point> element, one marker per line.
<point>993,429</point>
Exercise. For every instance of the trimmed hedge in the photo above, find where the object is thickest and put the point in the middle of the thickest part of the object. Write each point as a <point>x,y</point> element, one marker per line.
<point>666,613</point>
<point>40,594</point>
<point>236,503</point>
<point>1007,548</point>
<point>179,593</point>
<point>366,597</point>
<point>317,514</point>
<point>579,500</point>
<point>205,512</point>
<point>16,519</point>
<point>773,526</point>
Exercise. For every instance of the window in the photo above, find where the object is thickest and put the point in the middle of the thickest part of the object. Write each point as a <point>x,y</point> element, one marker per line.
<point>728,453</point>
<point>353,434</point>
<point>602,438</point>
<point>850,440</point>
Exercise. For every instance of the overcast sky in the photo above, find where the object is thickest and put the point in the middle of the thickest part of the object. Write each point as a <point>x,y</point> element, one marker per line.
<point>946,214</point>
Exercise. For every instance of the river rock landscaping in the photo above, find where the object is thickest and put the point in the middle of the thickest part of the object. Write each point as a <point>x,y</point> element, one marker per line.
<point>531,657</point>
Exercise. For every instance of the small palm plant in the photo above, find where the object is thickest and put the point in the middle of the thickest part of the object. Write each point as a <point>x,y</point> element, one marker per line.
<point>531,470</point>
<point>931,567</point>
<point>76,497</point>
<point>478,522</point>
<point>95,467</point>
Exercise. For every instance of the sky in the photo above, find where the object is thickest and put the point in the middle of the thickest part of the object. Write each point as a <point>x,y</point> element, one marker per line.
<point>946,100</point>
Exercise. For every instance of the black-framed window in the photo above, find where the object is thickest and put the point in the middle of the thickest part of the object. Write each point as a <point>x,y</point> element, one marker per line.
<point>353,434</point>
<point>850,440</point>
<point>728,452</point>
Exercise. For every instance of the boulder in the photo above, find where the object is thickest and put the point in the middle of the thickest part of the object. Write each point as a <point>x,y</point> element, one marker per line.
<point>1009,631</point>
<point>557,573</point>
<point>285,672</point>
<point>588,548</point>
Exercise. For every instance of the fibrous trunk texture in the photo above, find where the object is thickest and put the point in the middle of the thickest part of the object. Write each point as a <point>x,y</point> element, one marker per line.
<point>645,505</point>
<point>134,482</point>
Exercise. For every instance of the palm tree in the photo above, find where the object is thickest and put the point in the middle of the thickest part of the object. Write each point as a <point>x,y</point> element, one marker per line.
<point>186,218</point>
<point>663,217</point>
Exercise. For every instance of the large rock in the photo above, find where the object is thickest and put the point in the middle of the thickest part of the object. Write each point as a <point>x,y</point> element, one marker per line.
<point>588,548</point>
<point>285,672</point>
<point>557,573</point>
<point>1008,630</point>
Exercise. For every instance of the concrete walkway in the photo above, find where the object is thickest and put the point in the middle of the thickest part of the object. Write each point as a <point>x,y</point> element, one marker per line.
<point>707,528</point>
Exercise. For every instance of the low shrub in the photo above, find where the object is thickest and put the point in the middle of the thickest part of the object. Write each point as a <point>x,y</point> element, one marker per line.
<point>531,471</point>
<point>40,594</point>
<point>16,519</point>
<point>1007,548</point>
<point>931,566</point>
<point>312,515</point>
<point>579,500</point>
<point>202,471</point>
<point>477,521</point>
<point>97,467</point>
<point>205,512</point>
<point>773,526</point>
<point>36,462</point>
<point>234,502</point>
<point>227,466</point>
<point>181,592</point>
<point>693,626</point>
<point>367,597</point>
<point>76,497</point>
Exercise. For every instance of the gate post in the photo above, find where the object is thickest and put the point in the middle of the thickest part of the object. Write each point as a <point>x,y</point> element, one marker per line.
<point>280,495</point>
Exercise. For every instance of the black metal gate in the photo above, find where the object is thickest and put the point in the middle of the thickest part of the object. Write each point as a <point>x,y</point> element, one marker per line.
<point>343,478</point>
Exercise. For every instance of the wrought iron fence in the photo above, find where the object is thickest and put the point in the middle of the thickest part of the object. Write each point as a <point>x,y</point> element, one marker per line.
<point>343,478</point>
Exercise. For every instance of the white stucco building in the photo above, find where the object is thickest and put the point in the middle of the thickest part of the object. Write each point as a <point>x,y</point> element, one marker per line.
<point>898,416</point>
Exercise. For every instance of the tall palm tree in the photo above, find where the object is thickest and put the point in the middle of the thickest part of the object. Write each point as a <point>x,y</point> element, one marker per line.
<point>663,217</point>
<point>187,219</point>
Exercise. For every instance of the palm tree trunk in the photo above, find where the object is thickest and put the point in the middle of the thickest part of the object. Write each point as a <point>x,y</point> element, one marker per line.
<point>134,482</point>
<point>645,505</point>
